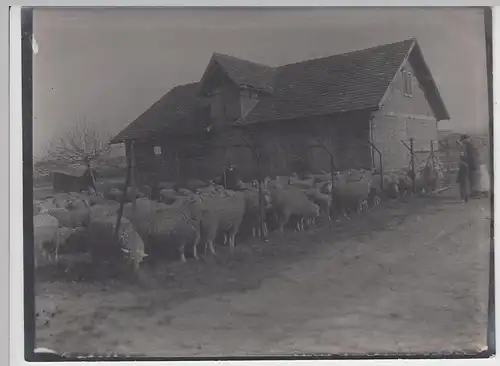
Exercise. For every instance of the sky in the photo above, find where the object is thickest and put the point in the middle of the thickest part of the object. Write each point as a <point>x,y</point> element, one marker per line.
<point>106,66</point>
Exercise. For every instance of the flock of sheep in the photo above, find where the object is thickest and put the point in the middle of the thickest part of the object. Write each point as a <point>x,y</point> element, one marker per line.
<point>178,216</point>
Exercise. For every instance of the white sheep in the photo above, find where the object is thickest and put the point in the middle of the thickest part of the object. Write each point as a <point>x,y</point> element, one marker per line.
<point>351,194</point>
<point>101,233</point>
<point>103,209</point>
<point>184,192</point>
<point>290,201</point>
<point>46,204</point>
<point>304,183</point>
<point>114,194</point>
<point>324,201</point>
<point>46,231</point>
<point>160,224</point>
<point>168,195</point>
<point>252,210</point>
<point>225,214</point>
<point>71,218</point>
<point>166,185</point>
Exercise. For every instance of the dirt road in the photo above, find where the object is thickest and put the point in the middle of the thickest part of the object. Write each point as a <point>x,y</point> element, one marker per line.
<point>409,277</point>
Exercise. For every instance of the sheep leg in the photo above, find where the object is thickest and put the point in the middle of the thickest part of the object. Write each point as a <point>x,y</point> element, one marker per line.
<point>57,247</point>
<point>253,232</point>
<point>283,219</point>
<point>211,246</point>
<point>195,245</point>
<point>231,241</point>
<point>265,229</point>
<point>181,251</point>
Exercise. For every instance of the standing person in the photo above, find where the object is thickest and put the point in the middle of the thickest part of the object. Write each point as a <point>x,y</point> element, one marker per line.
<point>231,178</point>
<point>463,178</point>
<point>472,158</point>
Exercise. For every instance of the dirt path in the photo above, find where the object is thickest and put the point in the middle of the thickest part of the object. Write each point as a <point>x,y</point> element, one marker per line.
<point>416,283</point>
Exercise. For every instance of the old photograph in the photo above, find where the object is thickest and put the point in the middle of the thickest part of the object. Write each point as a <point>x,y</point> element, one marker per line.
<point>259,182</point>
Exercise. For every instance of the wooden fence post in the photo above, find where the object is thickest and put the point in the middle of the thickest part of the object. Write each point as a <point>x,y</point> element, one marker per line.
<point>125,187</point>
<point>413,173</point>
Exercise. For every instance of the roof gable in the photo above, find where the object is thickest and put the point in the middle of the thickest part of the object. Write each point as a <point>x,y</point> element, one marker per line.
<point>242,72</point>
<point>426,80</point>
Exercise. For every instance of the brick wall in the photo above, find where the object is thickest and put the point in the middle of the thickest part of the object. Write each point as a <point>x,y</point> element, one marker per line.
<point>400,118</point>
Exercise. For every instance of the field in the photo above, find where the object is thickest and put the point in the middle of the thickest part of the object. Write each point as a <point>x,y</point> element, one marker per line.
<point>410,276</point>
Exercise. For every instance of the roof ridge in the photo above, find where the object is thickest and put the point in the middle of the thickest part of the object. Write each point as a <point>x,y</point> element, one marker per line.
<point>215,54</point>
<point>413,39</point>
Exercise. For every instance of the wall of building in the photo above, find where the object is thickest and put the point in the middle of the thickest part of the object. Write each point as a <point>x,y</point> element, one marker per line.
<point>285,147</point>
<point>401,118</point>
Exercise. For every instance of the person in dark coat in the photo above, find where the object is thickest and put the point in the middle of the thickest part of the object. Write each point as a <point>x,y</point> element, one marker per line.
<point>231,177</point>
<point>472,159</point>
<point>463,178</point>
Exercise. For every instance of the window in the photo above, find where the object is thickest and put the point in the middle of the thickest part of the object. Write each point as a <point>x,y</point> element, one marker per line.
<point>407,84</point>
<point>157,150</point>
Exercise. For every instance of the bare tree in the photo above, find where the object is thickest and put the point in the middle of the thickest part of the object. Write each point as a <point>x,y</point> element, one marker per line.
<point>83,144</point>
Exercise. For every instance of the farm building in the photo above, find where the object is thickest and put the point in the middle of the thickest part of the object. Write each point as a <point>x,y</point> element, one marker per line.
<point>71,178</point>
<point>304,116</point>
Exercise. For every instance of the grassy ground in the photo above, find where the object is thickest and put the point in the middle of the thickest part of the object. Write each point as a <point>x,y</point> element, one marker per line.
<point>407,277</point>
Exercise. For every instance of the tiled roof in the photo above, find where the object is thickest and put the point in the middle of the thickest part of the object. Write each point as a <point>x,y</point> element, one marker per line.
<point>335,84</point>
<point>246,73</point>
<point>347,82</point>
<point>175,111</point>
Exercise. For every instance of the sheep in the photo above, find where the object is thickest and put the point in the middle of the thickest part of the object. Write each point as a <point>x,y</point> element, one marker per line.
<point>46,231</point>
<point>324,201</point>
<point>133,192</point>
<point>158,223</point>
<point>309,211</point>
<point>47,204</point>
<point>114,194</point>
<point>287,202</point>
<point>206,190</point>
<point>247,185</point>
<point>71,218</point>
<point>307,183</point>
<point>167,195</point>
<point>144,208</point>
<point>252,210</point>
<point>64,233</point>
<point>194,184</point>
<point>146,191</point>
<point>225,215</point>
<point>94,200</point>
<point>166,185</point>
<point>104,209</point>
<point>184,192</point>
<point>324,187</point>
<point>318,178</point>
<point>101,233</point>
<point>405,184</point>
<point>179,225</point>
<point>78,203</point>
<point>351,194</point>
<point>36,208</point>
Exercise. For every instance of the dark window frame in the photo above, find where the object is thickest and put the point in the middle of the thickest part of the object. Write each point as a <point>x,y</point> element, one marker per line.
<point>407,83</point>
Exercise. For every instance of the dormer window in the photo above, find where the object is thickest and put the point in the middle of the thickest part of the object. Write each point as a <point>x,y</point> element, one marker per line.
<point>248,100</point>
<point>407,84</point>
